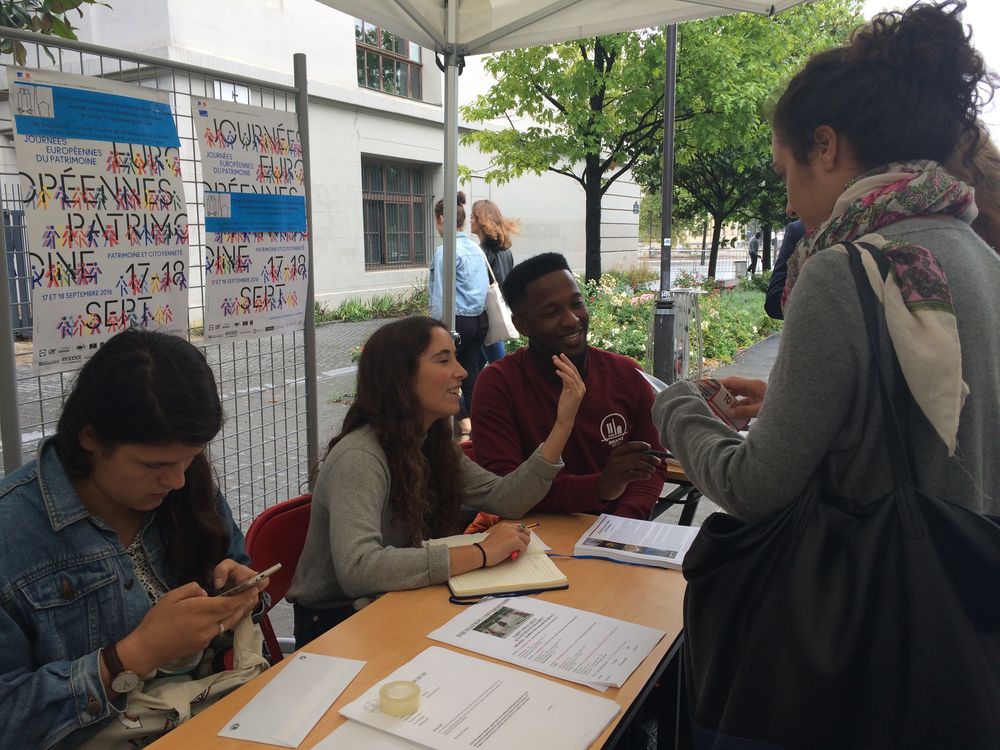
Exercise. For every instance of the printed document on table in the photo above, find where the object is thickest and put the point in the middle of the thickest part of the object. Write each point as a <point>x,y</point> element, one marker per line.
<point>289,706</point>
<point>470,703</point>
<point>563,642</point>
<point>352,735</point>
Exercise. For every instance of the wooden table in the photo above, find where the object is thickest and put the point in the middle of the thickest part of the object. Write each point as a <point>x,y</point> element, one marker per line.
<point>393,630</point>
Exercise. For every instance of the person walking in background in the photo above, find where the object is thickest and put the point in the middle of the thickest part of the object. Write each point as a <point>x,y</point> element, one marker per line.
<point>493,231</point>
<point>471,323</point>
<point>772,302</point>
<point>754,253</point>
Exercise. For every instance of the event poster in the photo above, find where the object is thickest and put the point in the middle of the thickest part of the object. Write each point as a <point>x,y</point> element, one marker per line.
<point>255,220</point>
<point>106,218</point>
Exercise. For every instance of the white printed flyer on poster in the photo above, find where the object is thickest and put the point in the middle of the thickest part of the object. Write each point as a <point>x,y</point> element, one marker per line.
<point>255,265</point>
<point>100,178</point>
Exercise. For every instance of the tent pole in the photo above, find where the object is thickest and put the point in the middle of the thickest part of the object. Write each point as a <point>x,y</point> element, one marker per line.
<point>451,63</point>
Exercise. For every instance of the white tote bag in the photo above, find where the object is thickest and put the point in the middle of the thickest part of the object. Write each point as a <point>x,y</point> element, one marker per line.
<point>158,705</point>
<point>497,312</point>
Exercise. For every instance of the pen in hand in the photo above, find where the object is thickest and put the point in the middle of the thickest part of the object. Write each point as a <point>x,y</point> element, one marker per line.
<point>524,527</point>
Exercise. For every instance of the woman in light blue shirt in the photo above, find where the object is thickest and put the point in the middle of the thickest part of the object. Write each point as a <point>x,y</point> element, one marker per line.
<point>471,323</point>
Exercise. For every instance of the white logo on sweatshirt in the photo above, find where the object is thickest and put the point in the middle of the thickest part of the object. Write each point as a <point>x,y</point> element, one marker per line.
<point>614,429</point>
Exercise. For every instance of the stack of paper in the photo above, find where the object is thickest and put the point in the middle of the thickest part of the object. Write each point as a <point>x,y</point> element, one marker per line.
<point>571,644</point>
<point>470,703</point>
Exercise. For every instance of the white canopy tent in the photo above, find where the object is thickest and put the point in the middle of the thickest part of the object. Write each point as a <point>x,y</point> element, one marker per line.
<point>473,27</point>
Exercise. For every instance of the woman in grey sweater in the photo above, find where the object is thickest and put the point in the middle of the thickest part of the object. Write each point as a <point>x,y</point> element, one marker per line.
<point>859,136</point>
<point>393,478</point>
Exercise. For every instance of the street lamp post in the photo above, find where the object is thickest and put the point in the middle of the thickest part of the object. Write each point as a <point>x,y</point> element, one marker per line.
<point>635,212</point>
<point>665,360</point>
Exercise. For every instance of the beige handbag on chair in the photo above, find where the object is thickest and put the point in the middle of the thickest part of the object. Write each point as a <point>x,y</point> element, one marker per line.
<point>158,705</point>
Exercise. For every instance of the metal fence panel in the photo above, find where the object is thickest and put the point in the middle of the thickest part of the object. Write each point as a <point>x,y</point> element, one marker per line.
<point>262,454</point>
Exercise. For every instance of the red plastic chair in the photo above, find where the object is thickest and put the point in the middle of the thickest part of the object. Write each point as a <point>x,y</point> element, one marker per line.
<point>278,535</point>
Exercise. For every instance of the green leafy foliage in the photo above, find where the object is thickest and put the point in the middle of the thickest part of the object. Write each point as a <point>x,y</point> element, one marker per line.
<point>378,306</point>
<point>732,321</point>
<point>729,70</point>
<point>620,316</point>
<point>637,277</point>
<point>49,17</point>
<point>582,109</point>
<point>690,280</point>
<point>756,283</point>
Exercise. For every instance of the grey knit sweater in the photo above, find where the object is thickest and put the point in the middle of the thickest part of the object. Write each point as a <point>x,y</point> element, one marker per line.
<point>356,548</point>
<point>821,419</point>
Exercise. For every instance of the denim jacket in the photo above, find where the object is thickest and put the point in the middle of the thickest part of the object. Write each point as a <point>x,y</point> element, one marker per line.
<point>67,589</point>
<point>471,279</point>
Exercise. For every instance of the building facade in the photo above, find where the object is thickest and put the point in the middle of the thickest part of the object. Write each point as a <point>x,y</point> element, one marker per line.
<point>375,119</point>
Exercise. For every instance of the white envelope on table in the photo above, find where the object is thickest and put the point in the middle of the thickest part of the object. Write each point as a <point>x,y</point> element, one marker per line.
<point>289,706</point>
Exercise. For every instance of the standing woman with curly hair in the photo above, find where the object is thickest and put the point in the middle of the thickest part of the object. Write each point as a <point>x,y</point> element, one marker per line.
<point>393,478</point>
<point>494,232</point>
<point>859,137</point>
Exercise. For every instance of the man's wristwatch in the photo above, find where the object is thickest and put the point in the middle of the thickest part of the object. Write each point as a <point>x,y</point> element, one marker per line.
<point>122,680</point>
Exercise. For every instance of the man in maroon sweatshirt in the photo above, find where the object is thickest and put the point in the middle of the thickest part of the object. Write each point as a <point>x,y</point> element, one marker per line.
<point>607,467</point>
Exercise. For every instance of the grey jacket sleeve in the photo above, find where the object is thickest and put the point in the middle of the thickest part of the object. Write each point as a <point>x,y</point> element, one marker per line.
<point>512,495</point>
<point>363,561</point>
<point>812,393</point>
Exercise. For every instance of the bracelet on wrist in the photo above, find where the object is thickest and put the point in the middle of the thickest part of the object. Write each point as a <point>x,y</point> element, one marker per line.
<point>481,551</point>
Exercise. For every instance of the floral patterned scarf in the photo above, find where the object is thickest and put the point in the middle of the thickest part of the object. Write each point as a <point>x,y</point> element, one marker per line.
<point>915,296</point>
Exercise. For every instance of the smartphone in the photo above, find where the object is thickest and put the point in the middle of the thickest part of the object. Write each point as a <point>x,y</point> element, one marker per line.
<point>249,583</point>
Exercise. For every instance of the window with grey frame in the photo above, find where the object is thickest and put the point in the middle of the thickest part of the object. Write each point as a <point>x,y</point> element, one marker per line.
<point>386,61</point>
<point>396,207</point>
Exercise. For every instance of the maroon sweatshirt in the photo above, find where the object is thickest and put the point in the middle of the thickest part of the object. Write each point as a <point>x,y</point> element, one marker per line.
<point>514,406</point>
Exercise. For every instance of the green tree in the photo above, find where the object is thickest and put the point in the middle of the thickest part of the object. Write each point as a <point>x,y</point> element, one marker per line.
<point>728,70</point>
<point>649,220</point>
<point>766,206</point>
<point>41,16</point>
<point>583,109</point>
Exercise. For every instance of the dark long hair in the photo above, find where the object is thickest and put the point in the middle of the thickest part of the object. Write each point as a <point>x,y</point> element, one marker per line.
<point>460,209</point>
<point>154,389</point>
<point>424,488</point>
<point>908,86</point>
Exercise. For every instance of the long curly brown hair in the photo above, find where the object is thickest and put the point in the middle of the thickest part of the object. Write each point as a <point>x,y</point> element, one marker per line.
<point>424,488</point>
<point>908,86</point>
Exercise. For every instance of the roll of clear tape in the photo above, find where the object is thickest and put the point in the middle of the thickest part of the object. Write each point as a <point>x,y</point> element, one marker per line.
<point>399,698</point>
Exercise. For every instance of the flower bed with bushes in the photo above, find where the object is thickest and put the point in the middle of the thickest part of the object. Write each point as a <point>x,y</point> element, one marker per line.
<point>620,315</point>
